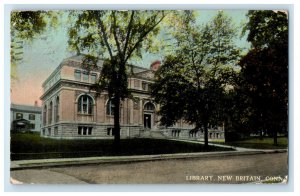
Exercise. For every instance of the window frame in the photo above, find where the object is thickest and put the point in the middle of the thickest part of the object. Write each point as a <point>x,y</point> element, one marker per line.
<point>145,86</point>
<point>30,116</point>
<point>110,108</point>
<point>17,115</point>
<point>93,75</point>
<point>147,106</point>
<point>77,77</point>
<point>85,104</point>
<point>85,76</point>
<point>84,130</point>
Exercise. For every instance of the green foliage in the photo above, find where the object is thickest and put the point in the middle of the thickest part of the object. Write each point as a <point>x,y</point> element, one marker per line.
<point>267,28</point>
<point>192,83</point>
<point>114,33</point>
<point>26,26</point>
<point>265,71</point>
<point>116,36</point>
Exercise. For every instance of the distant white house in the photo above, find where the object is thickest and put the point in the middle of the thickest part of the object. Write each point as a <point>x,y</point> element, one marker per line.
<point>25,117</point>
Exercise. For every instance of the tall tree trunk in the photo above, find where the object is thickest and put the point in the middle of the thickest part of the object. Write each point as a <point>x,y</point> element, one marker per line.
<point>117,77</point>
<point>116,102</point>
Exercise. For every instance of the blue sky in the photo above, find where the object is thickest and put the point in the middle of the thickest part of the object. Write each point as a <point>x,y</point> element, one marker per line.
<point>45,53</point>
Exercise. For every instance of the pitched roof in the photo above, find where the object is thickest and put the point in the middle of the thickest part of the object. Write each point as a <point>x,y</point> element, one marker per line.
<point>26,108</point>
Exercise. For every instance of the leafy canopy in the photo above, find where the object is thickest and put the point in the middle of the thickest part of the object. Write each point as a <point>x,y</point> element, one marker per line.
<point>192,81</point>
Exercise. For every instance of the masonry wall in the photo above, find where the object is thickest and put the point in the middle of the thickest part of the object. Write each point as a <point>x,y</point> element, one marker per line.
<point>67,105</point>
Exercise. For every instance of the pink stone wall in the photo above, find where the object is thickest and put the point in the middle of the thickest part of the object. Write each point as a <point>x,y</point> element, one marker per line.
<point>67,104</point>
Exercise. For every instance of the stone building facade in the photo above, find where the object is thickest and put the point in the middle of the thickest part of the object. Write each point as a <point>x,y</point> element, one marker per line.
<point>71,110</point>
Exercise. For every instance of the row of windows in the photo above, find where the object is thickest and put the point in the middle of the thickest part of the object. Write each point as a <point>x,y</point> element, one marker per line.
<point>20,116</point>
<point>84,106</point>
<point>175,133</point>
<point>49,131</point>
<point>82,130</point>
<point>145,85</point>
<point>49,112</point>
<point>85,76</point>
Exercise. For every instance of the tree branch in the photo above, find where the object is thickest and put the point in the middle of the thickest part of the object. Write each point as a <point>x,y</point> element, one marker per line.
<point>103,31</point>
<point>142,37</point>
<point>128,31</point>
<point>115,35</point>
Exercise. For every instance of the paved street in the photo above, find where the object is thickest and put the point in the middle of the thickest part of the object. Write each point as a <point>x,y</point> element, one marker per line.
<point>271,167</point>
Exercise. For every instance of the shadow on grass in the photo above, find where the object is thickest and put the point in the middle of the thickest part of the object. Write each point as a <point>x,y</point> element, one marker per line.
<point>32,146</point>
<point>258,143</point>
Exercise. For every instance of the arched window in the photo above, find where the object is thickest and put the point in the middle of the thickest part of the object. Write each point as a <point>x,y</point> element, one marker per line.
<point>56,114</point>
<point>85,104</point>
<point>45,115</point>
<point>149,106</point>
<point>110,106</point>
<point>50,113</point>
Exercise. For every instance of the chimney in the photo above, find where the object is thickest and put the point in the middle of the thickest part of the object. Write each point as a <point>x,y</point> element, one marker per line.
<point>35,103</point>
<point>155,65</point>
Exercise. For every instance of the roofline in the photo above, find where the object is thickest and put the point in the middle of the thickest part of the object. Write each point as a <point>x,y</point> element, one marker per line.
<point>70,58</point>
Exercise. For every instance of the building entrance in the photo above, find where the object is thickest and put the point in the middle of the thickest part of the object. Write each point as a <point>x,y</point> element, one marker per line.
<point>147,121</point>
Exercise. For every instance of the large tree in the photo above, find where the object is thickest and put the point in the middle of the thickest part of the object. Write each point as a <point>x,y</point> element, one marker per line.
<point>265,70</point>
<point>192,81</point>
<point>117,36</point>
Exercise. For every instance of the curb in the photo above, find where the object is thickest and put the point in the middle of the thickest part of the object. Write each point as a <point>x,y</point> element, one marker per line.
<point>48,163</point>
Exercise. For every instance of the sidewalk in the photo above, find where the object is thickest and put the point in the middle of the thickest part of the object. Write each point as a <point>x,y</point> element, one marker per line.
<point>45,163</point>
<point>239,149</point>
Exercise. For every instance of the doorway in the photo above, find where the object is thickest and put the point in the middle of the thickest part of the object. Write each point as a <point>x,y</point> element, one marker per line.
<point>147,121</point>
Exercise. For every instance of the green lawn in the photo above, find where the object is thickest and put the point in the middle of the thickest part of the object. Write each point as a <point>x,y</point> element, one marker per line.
<point>265,143</point>
<point>32,146</point>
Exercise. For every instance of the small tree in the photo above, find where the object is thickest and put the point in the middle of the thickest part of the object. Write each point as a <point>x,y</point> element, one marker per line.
<point>192,82</point>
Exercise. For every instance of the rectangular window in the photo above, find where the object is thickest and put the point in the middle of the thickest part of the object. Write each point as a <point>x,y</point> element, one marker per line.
<point>85,76</point>
<point>55,131</point>
<point>93,78</point>
<point>32,126</point>
<point>144,86</point>
<point>77,75</point>
<point>31,117</point>
<point>19,115</point>
<point>90,130</point>
<point>136,83</point>
<point>110,131</point>
<point>79,130</point>
<point>49,131</point>
<point>84,130</point>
